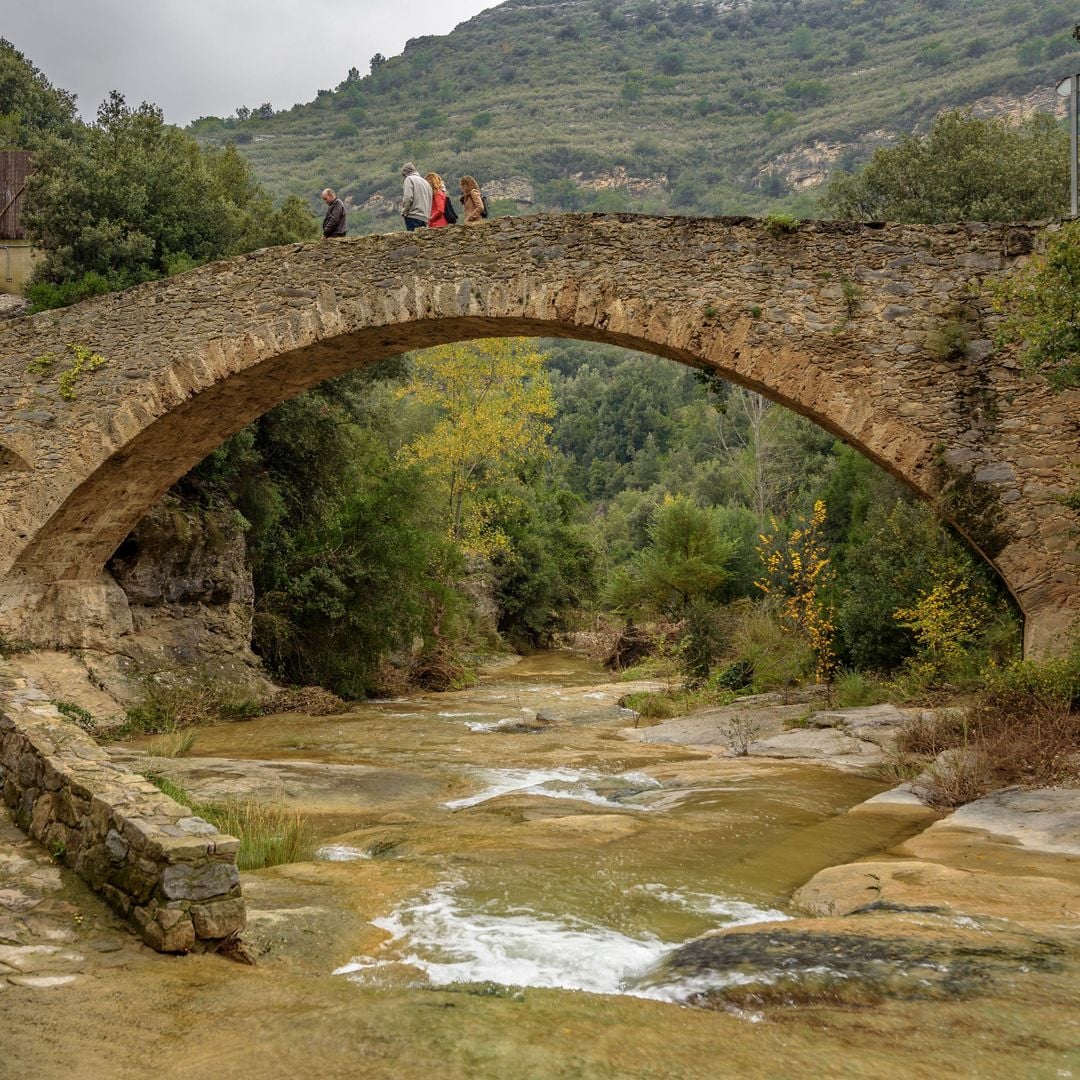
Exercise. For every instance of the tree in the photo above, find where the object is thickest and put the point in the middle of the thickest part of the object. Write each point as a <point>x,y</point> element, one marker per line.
<point>687,560</point>
<point>377,62</point>
<point>798,569</point>
<point>345,544</point>
<point>1042,302</point>
<point>964,169</point>
<point>492,405</point>
<point>130,198</point>
<point>31,108</point>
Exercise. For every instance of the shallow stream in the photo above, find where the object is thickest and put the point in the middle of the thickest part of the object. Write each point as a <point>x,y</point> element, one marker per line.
<point>565,856</point>
<point>499,897</point>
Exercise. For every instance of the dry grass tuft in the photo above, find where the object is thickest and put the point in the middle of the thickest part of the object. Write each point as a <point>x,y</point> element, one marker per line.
<point>173,744</point>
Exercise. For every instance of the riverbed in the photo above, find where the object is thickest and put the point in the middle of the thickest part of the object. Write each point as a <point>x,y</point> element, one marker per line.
<point>505,884</point>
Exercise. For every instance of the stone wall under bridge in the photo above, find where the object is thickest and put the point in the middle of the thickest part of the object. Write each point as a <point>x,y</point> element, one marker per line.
<point>104,405</point>
<point>170,873</point>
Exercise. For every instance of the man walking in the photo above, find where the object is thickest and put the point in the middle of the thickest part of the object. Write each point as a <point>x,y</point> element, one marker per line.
<point>334,222</point>
<point>415,198</point>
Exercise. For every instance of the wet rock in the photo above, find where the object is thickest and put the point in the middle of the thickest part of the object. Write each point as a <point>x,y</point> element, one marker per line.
<point>540,722</point>
<point>835,961</point>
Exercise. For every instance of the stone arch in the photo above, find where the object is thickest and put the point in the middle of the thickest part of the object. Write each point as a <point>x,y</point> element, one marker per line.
<point>191,360</point>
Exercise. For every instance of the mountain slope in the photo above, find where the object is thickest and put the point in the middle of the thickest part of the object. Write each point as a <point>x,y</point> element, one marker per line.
<point>712,107</point>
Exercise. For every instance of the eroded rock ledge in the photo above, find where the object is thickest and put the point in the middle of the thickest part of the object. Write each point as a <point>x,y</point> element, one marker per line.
<point>173,875</point>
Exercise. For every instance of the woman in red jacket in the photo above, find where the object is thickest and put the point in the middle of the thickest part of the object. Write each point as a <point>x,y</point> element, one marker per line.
<point>439,199</point>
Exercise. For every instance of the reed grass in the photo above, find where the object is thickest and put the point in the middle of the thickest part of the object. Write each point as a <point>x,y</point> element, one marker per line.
<point>173,744</point>
<point>270,834</point>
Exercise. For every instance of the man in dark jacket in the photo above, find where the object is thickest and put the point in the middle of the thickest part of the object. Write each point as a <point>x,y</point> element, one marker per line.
<point>334,222</point>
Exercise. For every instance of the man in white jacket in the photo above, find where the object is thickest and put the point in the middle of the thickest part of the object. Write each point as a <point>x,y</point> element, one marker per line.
<point>415,199</point>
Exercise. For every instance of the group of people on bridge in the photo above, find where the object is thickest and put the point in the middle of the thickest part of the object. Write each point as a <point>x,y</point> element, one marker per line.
<point>425,203</point>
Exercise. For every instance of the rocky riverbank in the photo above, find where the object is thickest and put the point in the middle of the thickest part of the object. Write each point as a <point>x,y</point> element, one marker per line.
<point>905,935</point>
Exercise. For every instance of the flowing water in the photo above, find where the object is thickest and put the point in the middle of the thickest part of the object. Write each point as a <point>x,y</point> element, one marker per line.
<point>492,896</point>
<point>564,857</point>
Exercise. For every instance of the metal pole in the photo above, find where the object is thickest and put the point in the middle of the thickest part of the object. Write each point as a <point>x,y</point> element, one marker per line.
<point>1075,136</point>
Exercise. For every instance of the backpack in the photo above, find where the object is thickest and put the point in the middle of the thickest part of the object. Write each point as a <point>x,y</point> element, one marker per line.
<point>449,212</point>
<point>483,200</point>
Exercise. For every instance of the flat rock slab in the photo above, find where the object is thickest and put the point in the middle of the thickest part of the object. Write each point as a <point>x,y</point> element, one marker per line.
<point>846,738</point>
<point>319,786</point>
<point>826,743</point>
<point>1044,820</point>
<point>914,885</point>
<point>712,727</point>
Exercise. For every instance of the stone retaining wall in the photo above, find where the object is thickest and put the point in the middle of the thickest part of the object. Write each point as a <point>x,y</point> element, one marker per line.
<point>172,874</point>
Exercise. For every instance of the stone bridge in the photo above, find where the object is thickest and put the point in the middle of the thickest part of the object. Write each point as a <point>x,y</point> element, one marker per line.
<point>104,405</point>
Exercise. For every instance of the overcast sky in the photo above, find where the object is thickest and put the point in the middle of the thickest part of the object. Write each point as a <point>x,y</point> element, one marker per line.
<point>197,58</point>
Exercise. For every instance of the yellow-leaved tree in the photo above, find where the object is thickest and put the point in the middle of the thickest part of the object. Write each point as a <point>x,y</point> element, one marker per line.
<point>493,404</point>
<point>799,571</point>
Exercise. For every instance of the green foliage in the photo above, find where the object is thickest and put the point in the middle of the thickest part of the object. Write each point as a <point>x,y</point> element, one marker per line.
<point>547,571</point>
<point>949,341</point>
<point>172,701</point>
<point>649,705</point>
<point>83,717</point>
<point>896,552</point>
<point>687,559</point>
<point>31,109</point>
<point>347,548</point>
<point>173,744</point>
<point>760,644</point>
<point>1042,305</point>
<point>781,224</point>
<point>84,361</point>
<point>964,169</point>
<point>1048,683</point>
<point>807,91</point>
<point>44,294</point>
<point>121,200</point>
<point>854,688</point>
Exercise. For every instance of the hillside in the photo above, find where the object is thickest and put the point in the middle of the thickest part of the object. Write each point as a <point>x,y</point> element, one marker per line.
<point>655,105</point>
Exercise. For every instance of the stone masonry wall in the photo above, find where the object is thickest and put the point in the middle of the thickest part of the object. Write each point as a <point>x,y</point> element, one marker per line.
<point>172,874</point>
<point>105,404</point>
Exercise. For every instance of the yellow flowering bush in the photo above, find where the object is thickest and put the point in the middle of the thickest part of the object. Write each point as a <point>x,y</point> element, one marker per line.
<point>797,570</point>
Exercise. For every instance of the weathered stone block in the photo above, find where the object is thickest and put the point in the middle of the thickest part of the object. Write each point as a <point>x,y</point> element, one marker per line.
<point>117,900</point>
<point>116,846</point>
<point>186,881</point>
<point>218,919</point>
<point>42,815</point>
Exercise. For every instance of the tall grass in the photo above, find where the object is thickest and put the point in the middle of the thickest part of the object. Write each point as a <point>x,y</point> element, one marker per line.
<point>172,701</point>
<point>270,834</point>
<point>1022,729</point>
<point>854,688</point>
<point>173,744</point>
